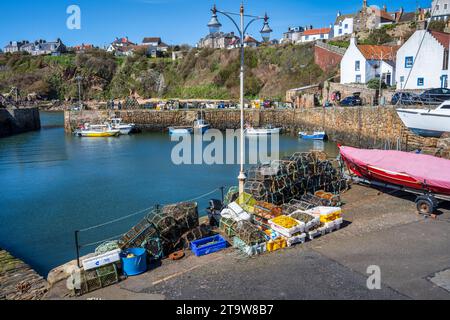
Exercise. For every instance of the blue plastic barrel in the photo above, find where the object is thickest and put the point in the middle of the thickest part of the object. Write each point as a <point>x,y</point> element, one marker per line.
<point>135,265</point>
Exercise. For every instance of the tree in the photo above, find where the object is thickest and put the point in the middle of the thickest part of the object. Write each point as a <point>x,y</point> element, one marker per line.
<point>437,25</point>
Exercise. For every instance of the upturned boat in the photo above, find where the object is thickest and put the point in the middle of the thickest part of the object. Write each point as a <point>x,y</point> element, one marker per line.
<point>96,131</point>
<point>427,122</point>
<point>318,135</point>
<point>409,170</point>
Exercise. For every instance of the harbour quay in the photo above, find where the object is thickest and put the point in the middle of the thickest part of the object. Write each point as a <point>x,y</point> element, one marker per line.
<point>362,127</point>
<point>19,120</point>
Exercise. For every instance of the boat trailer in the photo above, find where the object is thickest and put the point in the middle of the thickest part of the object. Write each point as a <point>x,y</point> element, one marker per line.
<point>426,202</point>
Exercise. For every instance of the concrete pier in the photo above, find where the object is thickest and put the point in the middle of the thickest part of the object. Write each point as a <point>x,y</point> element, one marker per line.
<point>19,120</point>
<point>18,281</point>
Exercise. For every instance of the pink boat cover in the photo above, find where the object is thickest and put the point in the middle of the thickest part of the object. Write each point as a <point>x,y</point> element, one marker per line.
<point>436,171</point>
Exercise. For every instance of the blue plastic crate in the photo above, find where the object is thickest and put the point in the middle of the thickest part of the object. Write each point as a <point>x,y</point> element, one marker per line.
<point>200,247</point>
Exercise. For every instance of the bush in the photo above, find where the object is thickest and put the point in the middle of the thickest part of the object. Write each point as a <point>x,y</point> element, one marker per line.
<point>375,84</point>
<point>438,25</point>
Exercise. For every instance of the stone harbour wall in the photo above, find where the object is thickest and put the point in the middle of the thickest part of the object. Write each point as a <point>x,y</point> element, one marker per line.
<point>364,127</point>
<point>18,120</point>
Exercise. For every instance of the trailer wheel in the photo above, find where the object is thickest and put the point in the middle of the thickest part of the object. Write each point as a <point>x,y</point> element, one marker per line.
<point>426,205</point>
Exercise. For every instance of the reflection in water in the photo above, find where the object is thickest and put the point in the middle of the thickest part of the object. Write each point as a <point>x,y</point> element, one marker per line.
<point>54,184</point>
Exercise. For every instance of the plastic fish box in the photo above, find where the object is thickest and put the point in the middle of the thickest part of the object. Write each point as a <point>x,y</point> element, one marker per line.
<point>296,239</point>
<point>308,225</point>
<point>317,233</point>
<point>287,232</point>
<point>101,260</point>
<point>326,214</point>
<point>208,245</point>
<point>277,244</point>
<point>249,250</point>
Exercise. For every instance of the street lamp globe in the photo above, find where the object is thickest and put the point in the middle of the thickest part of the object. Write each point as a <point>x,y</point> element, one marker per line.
<point>266,30</point>
<point>214,25</point>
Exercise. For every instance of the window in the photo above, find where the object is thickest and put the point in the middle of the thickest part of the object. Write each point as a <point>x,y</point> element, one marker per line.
<point>402,79</point>
<point>437,7</point>
<point>358,78</point>
<point>445,6</point>
<point>340,31</point>
<point>447,106</point>
<point>409,61</point>
<point>357,65</point>
<point>322,36</point>
<point>346,26</point>
<point>420,82</point>
<point>307,38</point>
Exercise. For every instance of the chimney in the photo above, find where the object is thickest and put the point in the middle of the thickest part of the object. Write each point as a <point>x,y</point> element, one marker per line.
<point>384,8</point>
<point>339,14</point>
<point>364,4</point>
<point>353,40</point>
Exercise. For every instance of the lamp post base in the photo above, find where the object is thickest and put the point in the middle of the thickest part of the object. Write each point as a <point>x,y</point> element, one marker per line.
<point>242,177</point>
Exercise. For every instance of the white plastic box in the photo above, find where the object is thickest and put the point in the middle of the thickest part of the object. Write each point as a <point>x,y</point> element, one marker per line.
<point>101,260</point>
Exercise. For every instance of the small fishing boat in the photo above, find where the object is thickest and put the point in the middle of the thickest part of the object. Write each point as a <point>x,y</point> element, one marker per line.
<point>201,126</point>
<point>180,130</point>
<point>124,128</point>
<point>427,122</point>
<point>96,131</point>
<point>409,170</point>
<point>267,131</point>
<point>318,135</point>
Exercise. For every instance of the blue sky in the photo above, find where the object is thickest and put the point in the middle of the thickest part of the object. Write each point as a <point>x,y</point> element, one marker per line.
<point>176,21</point>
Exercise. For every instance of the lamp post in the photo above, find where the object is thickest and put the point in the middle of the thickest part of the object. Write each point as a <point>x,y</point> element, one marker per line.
<point>214,26</point>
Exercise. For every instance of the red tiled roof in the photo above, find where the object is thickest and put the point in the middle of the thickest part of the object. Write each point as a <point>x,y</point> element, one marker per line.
<point>249,39</point>
<point>442,37</point>
<point>371,52</point>
<point>311,32</point>
<point>383,14</point>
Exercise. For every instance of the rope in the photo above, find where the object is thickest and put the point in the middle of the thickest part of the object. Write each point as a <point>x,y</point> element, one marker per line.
<point>143,211</point>
<point>101,241</point>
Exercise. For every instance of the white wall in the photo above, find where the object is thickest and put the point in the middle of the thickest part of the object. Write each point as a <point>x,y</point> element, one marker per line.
<point>428,64</point>
<point>315,37</point>
<point>348,72</point>
<point>348,30</point>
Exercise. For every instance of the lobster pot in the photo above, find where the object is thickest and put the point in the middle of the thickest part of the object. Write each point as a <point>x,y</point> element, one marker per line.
<point>168,230</point>
<point>249,233</point>
<point>202,231</point>
<point>228,226</point>
<point>95,279</point>
<point>231,196</point>
<point>267,210</point>
<point>316,201</point>
<point>295,205</point>
<point>185,215</point>
<point>139,235</point>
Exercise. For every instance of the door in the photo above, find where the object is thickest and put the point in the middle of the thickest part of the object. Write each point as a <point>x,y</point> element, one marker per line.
<point>388,79</point>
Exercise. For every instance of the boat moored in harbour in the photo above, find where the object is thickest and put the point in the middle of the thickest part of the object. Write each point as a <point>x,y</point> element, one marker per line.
<point>318,135</point>
<point>124,128</point>
<point>180,130</point>
<point>96,131</point>
<point>269,130</point>
<point>427,122</point>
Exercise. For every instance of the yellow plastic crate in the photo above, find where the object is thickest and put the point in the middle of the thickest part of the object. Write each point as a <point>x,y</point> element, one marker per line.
<point>277,244</point>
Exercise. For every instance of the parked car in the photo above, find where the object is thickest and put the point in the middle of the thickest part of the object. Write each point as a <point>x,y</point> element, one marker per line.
<point>435,96</point>
<point>351,101</point>
<point>404,98</point>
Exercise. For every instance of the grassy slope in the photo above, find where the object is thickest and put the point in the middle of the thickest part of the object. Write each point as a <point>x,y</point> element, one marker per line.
<point>209,74</point>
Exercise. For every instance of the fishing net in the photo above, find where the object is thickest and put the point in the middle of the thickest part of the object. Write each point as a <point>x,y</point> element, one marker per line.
<point>232,195</point>
<point>249,233</point>
<point>107,247</point>
<point>291,177</point>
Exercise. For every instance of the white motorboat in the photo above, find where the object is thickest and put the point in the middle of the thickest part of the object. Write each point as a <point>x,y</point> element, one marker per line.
<point>250,131</point>
<point>427,122</point>
<point>125,128</point>
<point>96,131</point>
<point>180,130</point>
<point>200,125</point>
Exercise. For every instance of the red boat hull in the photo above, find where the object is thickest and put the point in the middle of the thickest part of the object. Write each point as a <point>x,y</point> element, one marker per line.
<point>373,173</point>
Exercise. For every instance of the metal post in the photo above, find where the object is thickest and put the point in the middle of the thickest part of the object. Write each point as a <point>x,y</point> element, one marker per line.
<point>77,245</point>
<point>242,176</point>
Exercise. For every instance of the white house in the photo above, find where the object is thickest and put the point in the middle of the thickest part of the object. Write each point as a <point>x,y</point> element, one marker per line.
<point>344,24</point>
<point>427,69</point>
<point>361,63</point>
<point>440,9</point>
<point>293,35</point>
<point>317,34</point>
<point>251,42</point>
